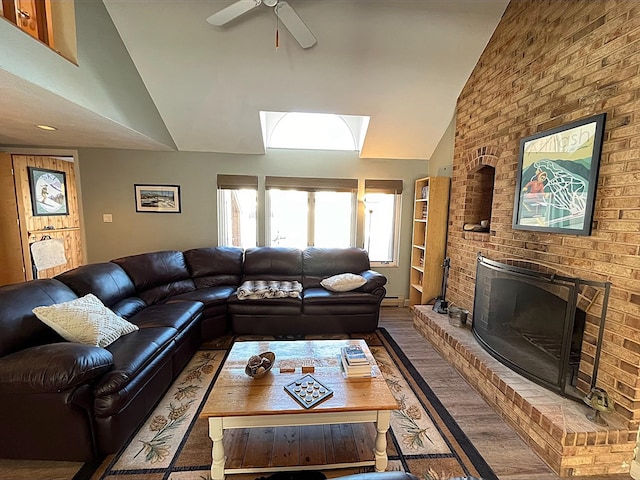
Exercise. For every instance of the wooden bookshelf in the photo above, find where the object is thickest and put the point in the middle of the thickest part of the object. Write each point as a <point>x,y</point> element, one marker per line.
<point>429,240</point>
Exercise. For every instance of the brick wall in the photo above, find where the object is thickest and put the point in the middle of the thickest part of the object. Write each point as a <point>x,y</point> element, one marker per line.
<point>548,63</point>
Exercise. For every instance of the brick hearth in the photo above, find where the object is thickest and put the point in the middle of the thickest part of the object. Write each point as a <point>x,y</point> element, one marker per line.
<point>554,427</point>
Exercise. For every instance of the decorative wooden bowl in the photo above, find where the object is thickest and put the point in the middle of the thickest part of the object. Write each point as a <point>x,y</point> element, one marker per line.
<point>259,370</point>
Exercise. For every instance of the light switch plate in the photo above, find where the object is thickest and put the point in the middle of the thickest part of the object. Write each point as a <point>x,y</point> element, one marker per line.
<point>107,217</point>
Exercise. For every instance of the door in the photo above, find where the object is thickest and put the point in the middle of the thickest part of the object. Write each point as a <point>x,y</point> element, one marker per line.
<point>47,203</point>
<point>11,262</point>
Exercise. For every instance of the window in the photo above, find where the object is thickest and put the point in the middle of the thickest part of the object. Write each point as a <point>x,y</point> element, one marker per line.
<point>382,220</point>
<point>313,131</point>
<point>311,212</point>
<point>288,213</point>
<point>237,210</point>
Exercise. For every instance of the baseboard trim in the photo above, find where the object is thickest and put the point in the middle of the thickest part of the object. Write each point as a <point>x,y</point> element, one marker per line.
<point>393,301</point>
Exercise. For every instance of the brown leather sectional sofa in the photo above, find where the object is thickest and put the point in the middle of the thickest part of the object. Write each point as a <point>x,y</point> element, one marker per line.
<point>67,401</point>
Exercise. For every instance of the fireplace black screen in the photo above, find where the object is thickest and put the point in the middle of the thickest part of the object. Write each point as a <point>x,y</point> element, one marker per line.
<point>530,322</point>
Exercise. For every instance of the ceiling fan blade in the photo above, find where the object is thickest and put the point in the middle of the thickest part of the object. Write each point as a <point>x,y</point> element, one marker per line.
<point>232,11</point>
<point>295,25</point>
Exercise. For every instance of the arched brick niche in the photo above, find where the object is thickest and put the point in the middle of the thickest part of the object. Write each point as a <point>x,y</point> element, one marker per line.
<point>480,166</point>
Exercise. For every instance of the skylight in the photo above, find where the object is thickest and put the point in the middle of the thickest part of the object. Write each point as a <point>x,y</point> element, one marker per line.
<point>313,131</point>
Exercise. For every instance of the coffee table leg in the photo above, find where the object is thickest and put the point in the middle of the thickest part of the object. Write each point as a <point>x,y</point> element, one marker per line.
<point>382,425</point>
<point>217,452</point>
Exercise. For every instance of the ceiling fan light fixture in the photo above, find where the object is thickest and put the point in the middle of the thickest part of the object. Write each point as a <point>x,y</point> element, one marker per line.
<point>48,128</point>
<point>286,14</point>
<point>294,24</point>
<point>232,12</point>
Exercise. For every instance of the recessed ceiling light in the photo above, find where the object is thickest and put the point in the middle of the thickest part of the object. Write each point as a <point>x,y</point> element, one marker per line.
<point>49,128</point>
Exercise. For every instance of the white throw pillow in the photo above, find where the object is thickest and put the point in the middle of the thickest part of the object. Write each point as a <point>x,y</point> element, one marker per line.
<point>344,282</point>
<point>85,320</point>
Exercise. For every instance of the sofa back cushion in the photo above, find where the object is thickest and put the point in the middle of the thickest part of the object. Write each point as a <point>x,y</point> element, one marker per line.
<point>19,327</point>
<point>272,263</point>
<point>320,263</point>
<point>215,266</point>
<point>157,275</point>
<point>107,281</point>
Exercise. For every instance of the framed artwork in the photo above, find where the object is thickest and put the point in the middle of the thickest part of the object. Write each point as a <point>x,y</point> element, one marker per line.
<point>48,192</point>
<point>557,178</point>
<point>158,198</point>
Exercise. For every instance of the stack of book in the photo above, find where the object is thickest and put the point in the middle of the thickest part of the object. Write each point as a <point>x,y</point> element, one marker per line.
<point>355,362</point>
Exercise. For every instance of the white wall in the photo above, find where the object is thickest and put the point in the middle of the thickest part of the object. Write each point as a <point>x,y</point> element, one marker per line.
<point>108,177</point>
<point>441,162</point>
<point>105,81</point>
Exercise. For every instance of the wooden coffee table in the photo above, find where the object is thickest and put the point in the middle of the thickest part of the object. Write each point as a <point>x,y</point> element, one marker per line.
<point>239,401</point>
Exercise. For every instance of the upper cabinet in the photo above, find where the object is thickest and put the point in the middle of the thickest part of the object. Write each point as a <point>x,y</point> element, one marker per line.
<point>50,21</point>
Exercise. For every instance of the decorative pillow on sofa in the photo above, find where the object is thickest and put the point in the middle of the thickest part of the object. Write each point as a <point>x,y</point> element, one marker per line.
<point>343,282</point>
<point>85,320</point>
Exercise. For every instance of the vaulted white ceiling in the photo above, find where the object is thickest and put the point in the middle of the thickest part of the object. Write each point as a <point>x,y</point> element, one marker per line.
<point>401,62</point>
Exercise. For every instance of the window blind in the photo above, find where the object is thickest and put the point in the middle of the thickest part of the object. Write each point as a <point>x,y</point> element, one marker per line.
<point>383,186</point>
<point>237,182</point>
<point>309,184</point>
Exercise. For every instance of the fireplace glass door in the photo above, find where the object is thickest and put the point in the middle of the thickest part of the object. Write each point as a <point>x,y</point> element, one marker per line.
<point>529,322</point>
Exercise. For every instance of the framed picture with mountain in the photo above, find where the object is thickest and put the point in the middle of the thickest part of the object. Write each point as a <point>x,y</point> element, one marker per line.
<point>557,177</point>
<point>48,192</point>
<point>157,198</point>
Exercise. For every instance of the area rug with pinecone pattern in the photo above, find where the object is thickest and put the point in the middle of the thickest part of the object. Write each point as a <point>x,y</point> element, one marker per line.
<point>173,443</point>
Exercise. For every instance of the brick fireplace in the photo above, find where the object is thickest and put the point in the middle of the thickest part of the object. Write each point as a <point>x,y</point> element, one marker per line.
<point>555,428</point>
<point>547,65</point>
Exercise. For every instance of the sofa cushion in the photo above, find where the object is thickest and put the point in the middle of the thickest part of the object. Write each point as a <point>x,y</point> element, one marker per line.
<point>215,266</point>
<point>343,282</point>
<point>320,263</point>
<point>177,315</point>
<point>319,296</point>
<point>272,263</point>
<point>107,281</point>
<point>19,326</point>
<point>52,367</point>
<point>209,296</point>
<point>133,353</point>
<point>269,306</point>
<point>157,275</point>
<point>128,307</point>
<point>85,320</point>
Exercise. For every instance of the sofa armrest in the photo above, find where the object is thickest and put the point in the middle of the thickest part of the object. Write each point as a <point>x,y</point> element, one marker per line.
<point>53,367</point>
<point>374,280</point>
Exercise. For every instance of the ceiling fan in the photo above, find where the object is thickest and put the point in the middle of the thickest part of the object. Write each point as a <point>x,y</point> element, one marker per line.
<point>282,9</point>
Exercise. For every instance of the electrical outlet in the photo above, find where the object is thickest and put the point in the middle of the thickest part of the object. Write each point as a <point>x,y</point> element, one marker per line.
<point>107,217</point>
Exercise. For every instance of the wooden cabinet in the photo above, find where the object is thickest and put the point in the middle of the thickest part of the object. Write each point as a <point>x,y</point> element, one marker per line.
<point>20,227</point>
<point>430,214</point>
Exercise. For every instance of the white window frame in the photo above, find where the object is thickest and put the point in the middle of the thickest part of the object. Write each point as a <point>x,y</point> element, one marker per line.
<point>310,186</point>
<point>222,204</point>
<point>397,216</point>
<point>310,220</point>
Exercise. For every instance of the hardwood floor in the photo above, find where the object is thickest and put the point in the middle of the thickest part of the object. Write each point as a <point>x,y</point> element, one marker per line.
<point>502,448</point>
<point>509,457</point>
